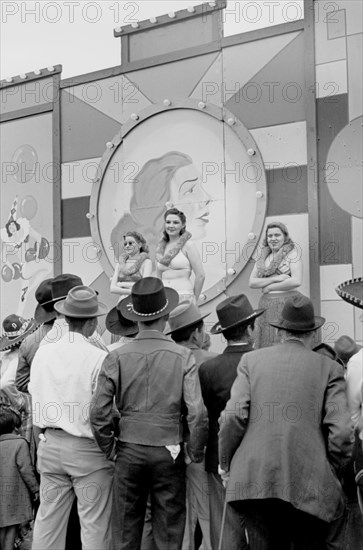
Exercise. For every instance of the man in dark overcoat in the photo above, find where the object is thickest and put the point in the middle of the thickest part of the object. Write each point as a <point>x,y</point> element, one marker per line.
<point>286,436</point>
<point>236,322</point>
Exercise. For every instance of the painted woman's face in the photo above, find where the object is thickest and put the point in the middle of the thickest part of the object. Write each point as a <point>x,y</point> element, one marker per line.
<point>12,228</point>
<point>131,245</point>
<point>173,225</point>
<point>275,238</point>
<point>188,195</point>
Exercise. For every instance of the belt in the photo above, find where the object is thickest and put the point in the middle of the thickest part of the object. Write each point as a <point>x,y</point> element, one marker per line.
<point>53,428</point>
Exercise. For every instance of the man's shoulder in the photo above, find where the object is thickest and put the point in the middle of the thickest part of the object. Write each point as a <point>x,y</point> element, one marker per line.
<point>145,346</point>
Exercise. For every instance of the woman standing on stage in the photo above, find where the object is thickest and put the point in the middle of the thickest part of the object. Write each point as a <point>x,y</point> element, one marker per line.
<point>278,273</point>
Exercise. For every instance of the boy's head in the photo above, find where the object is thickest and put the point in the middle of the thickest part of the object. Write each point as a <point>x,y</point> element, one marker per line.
<point>10,419</point>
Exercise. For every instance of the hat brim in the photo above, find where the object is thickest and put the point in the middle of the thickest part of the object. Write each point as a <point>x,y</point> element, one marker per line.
<point>126,307</point>
<point>188,324</point>
<point>352,292</point>
<point>41,315</point>
<point>7,343</point>
<point>61,308</point>
<point>218,329</point>
<point>285,325</point>
<point>114,325</point>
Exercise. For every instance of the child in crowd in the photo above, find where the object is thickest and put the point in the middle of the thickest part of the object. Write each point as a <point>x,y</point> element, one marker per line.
<point>18,485</point>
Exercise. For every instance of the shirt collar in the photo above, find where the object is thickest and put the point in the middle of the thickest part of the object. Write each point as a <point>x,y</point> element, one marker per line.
<point>152,334</point>
<point>237,348</point>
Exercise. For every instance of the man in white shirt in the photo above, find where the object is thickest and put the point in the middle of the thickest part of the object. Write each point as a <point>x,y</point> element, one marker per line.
<point>62,381</point>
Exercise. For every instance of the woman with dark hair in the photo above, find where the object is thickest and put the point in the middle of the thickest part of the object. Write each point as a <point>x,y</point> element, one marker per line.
<point>177,258</point>
<point>133,264</point>
<point>172,177</point>
<point>278,273</point>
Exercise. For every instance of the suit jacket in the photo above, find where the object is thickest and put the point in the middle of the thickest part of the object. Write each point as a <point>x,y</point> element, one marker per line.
<point>216,378</point>
<point>286,431</point>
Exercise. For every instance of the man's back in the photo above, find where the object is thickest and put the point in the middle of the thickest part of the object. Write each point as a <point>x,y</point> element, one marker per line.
<point>288,406</point>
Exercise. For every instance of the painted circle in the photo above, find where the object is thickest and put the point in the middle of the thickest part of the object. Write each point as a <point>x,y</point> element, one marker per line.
<point>28,207</point>
<point>25,160</point>
<point>343,170</point>
<point>195,160</point>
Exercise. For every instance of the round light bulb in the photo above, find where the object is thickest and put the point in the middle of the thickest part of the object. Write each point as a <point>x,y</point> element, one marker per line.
<point>231,271</point>
<point>89,215</point>
<point>259,194</point>
<point>134,116</point>
<point>153,20</point>
<point>231,121</point>
<point>166,102</point>
<point>171,14</point>
<point>251,236</point>
<point>251,152</point>
<point>23,76</point>
<point>201,105</point>
<point>51,69</point>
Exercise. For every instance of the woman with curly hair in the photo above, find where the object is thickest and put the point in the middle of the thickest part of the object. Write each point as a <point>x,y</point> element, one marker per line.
<point>177,258</point>
<point>278,273</point>
<point>133,264</point>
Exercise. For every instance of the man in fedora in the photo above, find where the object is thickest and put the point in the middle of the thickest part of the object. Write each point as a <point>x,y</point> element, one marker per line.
<point>44,315</point>
<point>154,382</point>
<point>63,378</point>
<point>186,327</point>
<point>286,436</point>
<point>236,319</point>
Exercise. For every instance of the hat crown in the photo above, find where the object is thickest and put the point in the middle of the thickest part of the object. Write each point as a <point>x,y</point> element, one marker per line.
<point>81,300</point>
<point>62,284</point>
<point>299,311</point>
<point>234,309</point>
<point>148,296</point>
<point>12,324</point>
<point>184,315</point>
<point>43,293</point>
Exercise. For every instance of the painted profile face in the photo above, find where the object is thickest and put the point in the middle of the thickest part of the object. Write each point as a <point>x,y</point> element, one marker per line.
<point>188,195</point>
<point>275,238</point>
<point>173,225</point>
<point>132,247</point>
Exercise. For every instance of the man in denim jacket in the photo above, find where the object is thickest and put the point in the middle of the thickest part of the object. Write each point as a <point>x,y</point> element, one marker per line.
<point>155,384</point>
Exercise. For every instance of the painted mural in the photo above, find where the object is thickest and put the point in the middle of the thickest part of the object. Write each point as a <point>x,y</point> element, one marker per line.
<point>294,91</point>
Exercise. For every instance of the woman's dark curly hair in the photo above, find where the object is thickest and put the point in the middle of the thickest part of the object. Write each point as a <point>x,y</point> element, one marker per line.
<point>182,218</point>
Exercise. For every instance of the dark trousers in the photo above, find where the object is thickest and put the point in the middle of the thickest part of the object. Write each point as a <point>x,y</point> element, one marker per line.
<point>273,524</point>
<point>142,470</point>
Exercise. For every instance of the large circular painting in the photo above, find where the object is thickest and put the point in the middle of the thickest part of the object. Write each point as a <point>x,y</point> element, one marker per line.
<point>201,160</point>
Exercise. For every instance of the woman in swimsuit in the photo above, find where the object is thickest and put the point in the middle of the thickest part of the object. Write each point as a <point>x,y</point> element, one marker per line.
<point>278,273</point>
<point>177,258</point>
<point>134,264</point>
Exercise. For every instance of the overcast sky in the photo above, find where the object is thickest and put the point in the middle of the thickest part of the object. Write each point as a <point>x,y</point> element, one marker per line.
<point>79,34</point>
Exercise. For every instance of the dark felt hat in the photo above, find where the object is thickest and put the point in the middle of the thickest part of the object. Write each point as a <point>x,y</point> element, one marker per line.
<point>116,323</point>
<point>149,300</point>
<point>44,311</point>
<point>298,316</point>
<point>234,311</point>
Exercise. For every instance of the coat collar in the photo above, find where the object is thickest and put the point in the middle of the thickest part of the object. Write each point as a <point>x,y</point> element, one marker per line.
<point>238,348</point>
<point>152,335</point>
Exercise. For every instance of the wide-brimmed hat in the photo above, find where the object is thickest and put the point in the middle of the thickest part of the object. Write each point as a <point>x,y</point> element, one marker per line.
<point>345,348</point>
<point>149,300</point>
<point>352,291</point>
<point>233,311</point>
<point>44,311</point>
<point>298,316</point>
<point>15,329</point>
<point>81,302</point>
<point>324,349</point>
<point>184,315</point>
<point>116,323</point>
